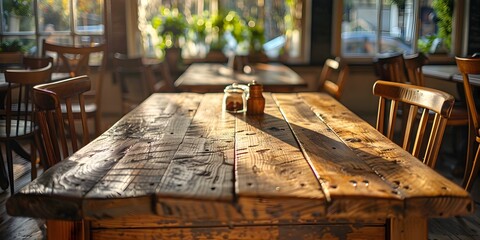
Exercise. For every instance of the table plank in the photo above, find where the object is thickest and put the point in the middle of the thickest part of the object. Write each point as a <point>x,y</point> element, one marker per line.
<point>202,167</point>
<point>346,179</point>
<point>407,176</point>
<point>269,160</point>
<point>114,168</point>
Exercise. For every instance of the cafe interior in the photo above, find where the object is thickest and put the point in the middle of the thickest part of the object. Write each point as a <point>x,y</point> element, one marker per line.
<point>245,119</point>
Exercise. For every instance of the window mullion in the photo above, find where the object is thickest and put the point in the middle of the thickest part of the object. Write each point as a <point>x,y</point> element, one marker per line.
<point>378,47</point>
<point>72,21</point>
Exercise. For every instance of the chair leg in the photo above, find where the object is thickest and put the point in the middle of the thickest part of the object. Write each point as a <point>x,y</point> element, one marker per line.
<point>97,124</point>
<point>11,179</point>
<point>33,160</point>
<point>472,174</point>
<point>3,174</point>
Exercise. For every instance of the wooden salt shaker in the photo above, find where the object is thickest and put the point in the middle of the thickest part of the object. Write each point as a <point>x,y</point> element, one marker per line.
<point>255,101</point>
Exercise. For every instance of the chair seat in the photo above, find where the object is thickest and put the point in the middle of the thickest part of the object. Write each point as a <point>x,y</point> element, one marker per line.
<point>25,129</point>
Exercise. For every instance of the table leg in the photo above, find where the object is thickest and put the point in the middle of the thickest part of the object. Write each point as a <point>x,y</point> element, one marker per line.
<point>408,228</point>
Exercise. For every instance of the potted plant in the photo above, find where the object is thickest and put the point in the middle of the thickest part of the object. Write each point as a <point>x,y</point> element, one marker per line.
<point>215,37</point>
<point>15,10</point>
<point>171,27</point>
<point>11,52</point>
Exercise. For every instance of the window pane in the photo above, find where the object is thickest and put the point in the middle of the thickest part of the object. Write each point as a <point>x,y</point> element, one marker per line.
<point>436,26</point>
<point>54,16</point>
<point>89,16</point>
<point>360,28</point>
<point>18,15</point>
<point>271,25</point>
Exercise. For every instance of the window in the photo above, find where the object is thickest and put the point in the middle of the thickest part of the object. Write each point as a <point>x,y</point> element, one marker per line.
<point>73,22</point>
<point>276,26</point>
<point>392,23</point>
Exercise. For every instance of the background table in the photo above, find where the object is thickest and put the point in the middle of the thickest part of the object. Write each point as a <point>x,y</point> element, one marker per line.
<point>449,73</point>
<point>178,167</point>
<point>213,77</point>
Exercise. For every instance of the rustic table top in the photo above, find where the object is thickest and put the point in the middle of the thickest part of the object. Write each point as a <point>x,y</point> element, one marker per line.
<point>181,156</point>
<point>213,77</point>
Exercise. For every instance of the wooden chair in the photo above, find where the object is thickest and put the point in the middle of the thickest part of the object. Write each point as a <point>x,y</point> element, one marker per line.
<point>58,127</point>
<point>76,61</point>
<point>390,68</point>
<point>55,116</point>
<point>459,115</point>
<point>30,62</point>
<point>420,99</point>
<point>18,122</point>
<point>138,80</point>
<point>333,67</point>
<point>10,60</point>
<point>466,67</point>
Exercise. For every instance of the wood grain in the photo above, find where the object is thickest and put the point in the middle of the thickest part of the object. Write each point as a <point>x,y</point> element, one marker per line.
<point>414,183</point>
<point>306,232</point>
<point>180,167</point>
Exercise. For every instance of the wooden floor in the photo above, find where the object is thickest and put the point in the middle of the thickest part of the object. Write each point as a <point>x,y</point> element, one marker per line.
<point>439,229</point>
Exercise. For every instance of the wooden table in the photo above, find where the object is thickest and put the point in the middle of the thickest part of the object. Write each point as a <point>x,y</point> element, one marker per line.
<point>178,167</point>
<point>213,77</point>
<point>449,73</point>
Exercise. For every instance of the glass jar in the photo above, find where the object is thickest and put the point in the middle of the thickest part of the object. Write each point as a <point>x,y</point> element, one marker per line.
<point>234,99</point>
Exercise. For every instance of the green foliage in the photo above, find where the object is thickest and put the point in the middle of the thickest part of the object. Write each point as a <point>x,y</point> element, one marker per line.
<point>425,43</point>
<point>257,35</point>
<point>216,29</point>
<point>444,11</point>
<point>171,27</point>
<point>12,46</point>
<point>237,26</point>
<point>18,7</point>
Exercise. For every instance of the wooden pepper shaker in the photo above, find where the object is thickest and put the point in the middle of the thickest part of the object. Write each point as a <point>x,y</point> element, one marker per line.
<point>255,101</point>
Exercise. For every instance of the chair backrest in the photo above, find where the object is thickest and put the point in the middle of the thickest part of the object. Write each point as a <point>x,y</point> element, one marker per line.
<point>57,125</point>
<point>413,65</point>
<point>134,79</point>
<point>333,67</point>
<point>10,60</point>
<point>468,66</point>
<point>30,62</point>
<point>75,60</point>
<point>18,101</point>
<point>391,68</point>
<point>421,100</point>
